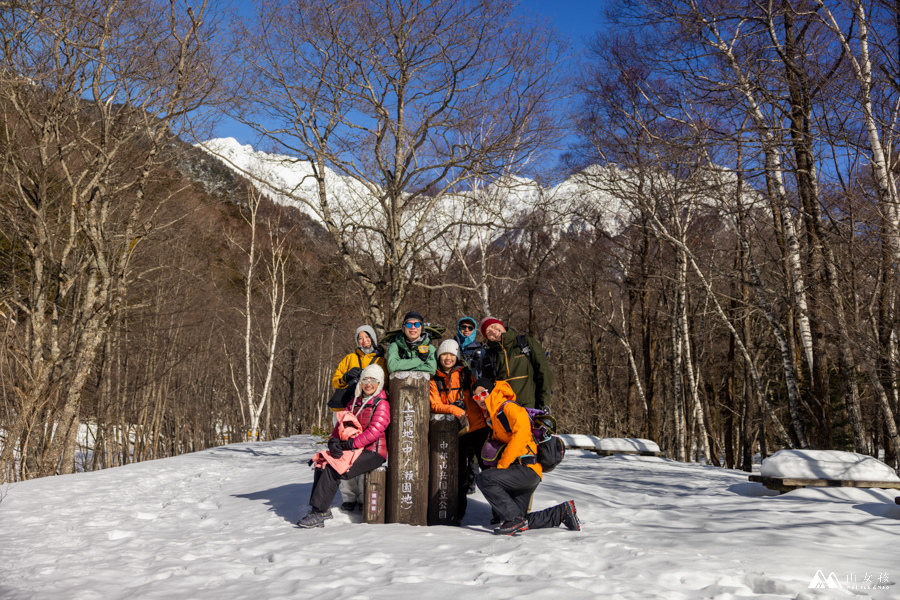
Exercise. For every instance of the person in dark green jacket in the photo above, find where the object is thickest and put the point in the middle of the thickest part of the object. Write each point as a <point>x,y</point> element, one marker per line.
<point>412,351</point>
<point>531,380</point>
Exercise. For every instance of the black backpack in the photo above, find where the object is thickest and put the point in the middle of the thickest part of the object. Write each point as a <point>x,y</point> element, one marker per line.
<point>342,396</point>
<point>551,452</point>
<point>550,448</point>
<point>466,380</point>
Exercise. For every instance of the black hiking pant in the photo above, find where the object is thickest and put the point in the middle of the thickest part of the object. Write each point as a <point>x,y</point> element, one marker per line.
<point>469,443</point>
<point>326,481</point>
<point>509,491</point>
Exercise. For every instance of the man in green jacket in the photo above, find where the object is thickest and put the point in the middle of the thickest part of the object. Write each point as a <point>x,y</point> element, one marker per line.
<point>507,361</point>
<point>412,351</point>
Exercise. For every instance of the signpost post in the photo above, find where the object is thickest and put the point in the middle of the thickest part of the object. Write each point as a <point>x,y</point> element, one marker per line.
<point>443,477</point>
<point>407,485</point>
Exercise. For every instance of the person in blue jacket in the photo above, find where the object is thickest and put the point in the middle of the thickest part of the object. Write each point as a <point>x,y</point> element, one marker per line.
<point>471,350</point>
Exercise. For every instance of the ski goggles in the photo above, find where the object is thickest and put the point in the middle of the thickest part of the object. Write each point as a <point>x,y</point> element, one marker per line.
<point>369,381</point>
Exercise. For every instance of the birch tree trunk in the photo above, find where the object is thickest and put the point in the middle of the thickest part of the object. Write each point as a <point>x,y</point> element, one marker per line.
<point>697,408</point>
<point>274,283</point>
<point>861,66</point>
<point>677,382</point>
<point>629,353</point>
<point>821,252</point>
<point>744,91</point>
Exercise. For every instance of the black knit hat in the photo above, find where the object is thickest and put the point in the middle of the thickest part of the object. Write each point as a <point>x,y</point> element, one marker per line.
<point>485,383</point>
<point>413,316</point>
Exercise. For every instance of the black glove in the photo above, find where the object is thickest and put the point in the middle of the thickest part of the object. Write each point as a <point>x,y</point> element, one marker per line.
<point>334,447</point>
<point>352,374</point>
<point>347,445</point>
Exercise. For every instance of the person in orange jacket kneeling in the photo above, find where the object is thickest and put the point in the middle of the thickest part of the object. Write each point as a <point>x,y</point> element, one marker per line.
<point>509,487</point>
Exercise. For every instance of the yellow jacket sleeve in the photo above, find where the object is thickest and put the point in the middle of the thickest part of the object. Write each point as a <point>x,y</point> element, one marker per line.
<point>354,360</point>
<point>349,361</point>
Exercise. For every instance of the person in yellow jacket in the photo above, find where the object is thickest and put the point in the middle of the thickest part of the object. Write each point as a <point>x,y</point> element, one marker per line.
<point>509,487</point>
<point>451,394</point>
<point>367,352</point>
<point>346,376</point>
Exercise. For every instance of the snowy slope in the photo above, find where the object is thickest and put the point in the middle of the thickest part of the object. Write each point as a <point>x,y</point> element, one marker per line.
<point>289,181</point>
<point>219,525</point>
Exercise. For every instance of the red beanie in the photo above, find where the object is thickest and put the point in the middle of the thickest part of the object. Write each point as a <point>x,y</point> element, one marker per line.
<point>487,322</point>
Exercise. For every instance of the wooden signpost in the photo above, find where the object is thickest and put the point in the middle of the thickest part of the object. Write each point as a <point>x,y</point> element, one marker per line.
<point>443,477</point>
<point>374,502</point>
<point>407,475</point>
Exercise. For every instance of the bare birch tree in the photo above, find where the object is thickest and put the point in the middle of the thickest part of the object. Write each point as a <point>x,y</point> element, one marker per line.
<point>253,384</point>
<point>90,92</point>
<point>407,100</point>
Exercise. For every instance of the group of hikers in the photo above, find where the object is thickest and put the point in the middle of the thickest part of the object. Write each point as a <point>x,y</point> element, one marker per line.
<point>486,386</point>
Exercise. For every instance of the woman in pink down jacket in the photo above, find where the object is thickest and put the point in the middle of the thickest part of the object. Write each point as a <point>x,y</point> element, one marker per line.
<point>370,405</point>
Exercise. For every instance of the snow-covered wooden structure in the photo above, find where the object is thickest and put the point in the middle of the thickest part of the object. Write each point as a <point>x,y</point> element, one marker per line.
<point>788,470</point>
<point>638,446</point>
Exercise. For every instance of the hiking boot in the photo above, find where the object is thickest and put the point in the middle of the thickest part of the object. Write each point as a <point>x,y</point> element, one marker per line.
<point>348,507</point>
<point>471,489</point>
<point>512,527</point>
<point>570,517</point>
<point>314,519</point>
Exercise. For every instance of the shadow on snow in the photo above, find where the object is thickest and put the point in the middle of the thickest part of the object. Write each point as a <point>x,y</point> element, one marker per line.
<point>284,500</point>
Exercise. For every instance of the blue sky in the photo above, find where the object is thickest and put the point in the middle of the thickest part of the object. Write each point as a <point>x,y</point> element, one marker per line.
<point>575,19</point>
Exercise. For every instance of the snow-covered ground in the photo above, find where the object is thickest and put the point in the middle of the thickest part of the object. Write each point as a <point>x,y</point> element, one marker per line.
<point>219,525</point>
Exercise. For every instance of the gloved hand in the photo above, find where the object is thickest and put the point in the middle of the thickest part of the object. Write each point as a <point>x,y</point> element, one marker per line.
<point>347,445</point>
<point>460,404</point>
<point>463,425</point>
<point>334,447</point>
<point>352,374</point>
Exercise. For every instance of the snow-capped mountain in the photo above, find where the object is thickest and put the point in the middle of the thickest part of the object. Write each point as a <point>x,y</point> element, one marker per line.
<point>500,204</point>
